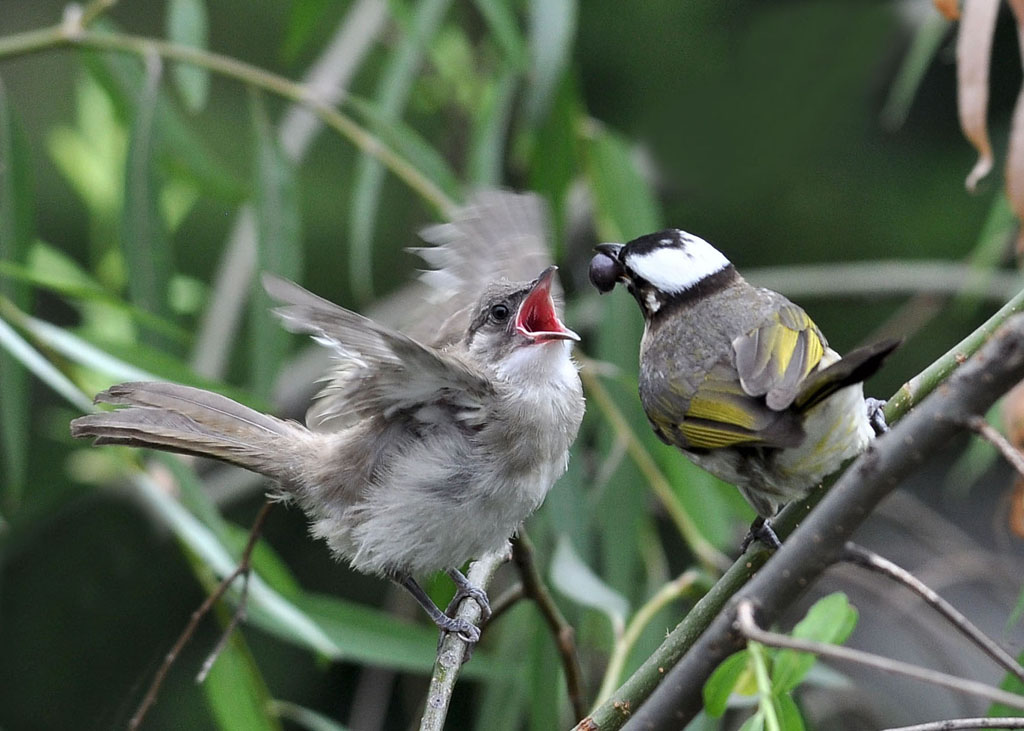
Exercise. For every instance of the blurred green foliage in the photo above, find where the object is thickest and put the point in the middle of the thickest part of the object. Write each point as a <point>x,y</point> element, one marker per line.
<point>757,125</point>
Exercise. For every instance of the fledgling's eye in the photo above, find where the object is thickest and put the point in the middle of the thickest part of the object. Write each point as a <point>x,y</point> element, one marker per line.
<point>500,312</point>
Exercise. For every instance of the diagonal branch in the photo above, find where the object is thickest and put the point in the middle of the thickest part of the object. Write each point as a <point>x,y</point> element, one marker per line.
<point>452,652</point>
<point>242,569</point>
<point>748,628</point>
<point>561,630</point>
<point>819,542</point>
<point>873,562</point>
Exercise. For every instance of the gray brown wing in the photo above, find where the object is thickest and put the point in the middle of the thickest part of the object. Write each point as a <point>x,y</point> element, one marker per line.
<point>379,371</point>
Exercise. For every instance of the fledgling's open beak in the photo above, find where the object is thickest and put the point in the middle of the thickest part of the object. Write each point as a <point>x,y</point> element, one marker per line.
<point>536,318</point>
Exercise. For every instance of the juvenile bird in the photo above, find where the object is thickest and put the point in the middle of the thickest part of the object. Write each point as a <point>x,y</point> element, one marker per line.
<point>738,377</point>
<point>417,458</point>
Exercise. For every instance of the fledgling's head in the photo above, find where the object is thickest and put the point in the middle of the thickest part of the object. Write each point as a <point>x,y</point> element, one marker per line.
<point>659,268</point>
<point>516,322</point>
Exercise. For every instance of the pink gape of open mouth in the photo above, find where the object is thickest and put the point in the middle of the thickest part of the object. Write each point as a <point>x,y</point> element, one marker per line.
<point>536,318</point>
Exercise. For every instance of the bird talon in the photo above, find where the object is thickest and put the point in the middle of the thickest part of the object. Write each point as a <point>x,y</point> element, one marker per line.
<point>761,530</point>
<point>876,415</point>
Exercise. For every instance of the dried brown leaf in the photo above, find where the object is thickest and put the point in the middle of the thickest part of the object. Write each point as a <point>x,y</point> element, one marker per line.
<point>973,52</point>
<point>949,8</point>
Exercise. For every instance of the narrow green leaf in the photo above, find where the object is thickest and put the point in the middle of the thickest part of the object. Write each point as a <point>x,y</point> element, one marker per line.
<point>392,95</point>
<point>571,576</point>
<point>16,224</point>
<point>501,19</point>
<point>143,239</point>
<point>236,692</point>
<point>18,348</point>
<point>278,245</point>
<point>723,683</point>
<point>626,206</point>
<point>187,25</point>
<point>376,637</point>
<point>304,717</point>
<point>552,33</point>
<point>304,20</point>
<point>408,143</point>
<point>754,723</point>
<point>266,607</point>
<point>790,718</point>
<point>180,149</point>
<point>928,39</point>
<point>50,269</point>
<point>490,127</point>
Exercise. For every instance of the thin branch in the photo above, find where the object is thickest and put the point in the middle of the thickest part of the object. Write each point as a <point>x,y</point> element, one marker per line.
<point>708,555</point>
<point>242,569</point>
<point>957,724</point>
<point>71,33</point>
<point>870,560</point>
<point>620,653</point>
<point>990,434</point>
<point>505,601</point>
<point>911,392</point>
<point>748,627</point>
<point>452,652</point>
<point>669,699</point>
<point>562,632</point>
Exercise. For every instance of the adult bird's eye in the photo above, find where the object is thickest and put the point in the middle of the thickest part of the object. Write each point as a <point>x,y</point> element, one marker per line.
<point>500,312</point>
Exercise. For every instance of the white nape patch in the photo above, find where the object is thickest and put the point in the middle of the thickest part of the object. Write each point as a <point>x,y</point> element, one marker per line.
<point>674,269</point>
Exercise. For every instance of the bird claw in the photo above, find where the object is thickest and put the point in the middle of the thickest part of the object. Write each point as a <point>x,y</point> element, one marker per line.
<point>466,590</point>
<point>876,415</point>
<point>761,530</point>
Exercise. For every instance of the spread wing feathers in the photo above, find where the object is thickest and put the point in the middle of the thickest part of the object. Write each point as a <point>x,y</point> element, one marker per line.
<point>187,420</point>
<point>721,414</point>
<point>774,359</point>
<point>379,371</point>
<point>856,366</point>
<point>498,234</point>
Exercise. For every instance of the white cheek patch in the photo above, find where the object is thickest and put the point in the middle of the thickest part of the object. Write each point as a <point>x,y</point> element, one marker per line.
<point>673,269</point>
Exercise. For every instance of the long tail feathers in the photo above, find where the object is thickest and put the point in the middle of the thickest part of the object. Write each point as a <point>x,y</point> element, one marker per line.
<point>856,366</point>
<point>192,421</point>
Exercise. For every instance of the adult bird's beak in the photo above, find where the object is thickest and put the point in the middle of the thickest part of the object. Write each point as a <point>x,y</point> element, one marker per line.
<point>536,318</point>
<point>609,250</point>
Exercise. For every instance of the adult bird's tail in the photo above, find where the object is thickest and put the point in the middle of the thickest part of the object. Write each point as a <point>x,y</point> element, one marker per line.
<point>188,420</point>
<point>854,367</point>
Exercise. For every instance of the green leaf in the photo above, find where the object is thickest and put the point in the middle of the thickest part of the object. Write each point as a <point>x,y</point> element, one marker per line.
<point>304,20</point>
<point>16,224</point>
<point>367,635</point>
<point>552,33</point>
<point>188,25</point>
<point>625,204</point>
<point>266,608</point>
<point>180,150</point>
<point>304,717</point>
<point>408,143</point>
<point>19,349</point>
<point>143,239</point>
<point>790,718</point>
<point>490,126</point>
<point>831,619</point>
<point>236,692</point>
<point>724,681</point>
<point>501,19</point>
<point>571,576</point>
<point>754,723</point>
<point>279,246</point>
<point>392,95</point>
